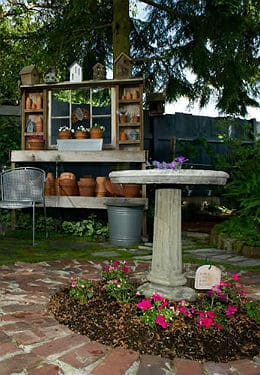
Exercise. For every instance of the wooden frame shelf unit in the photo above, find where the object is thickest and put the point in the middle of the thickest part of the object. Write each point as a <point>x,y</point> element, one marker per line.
<point>130,116</point>
<point>126,94</point>
<point>29,114</point>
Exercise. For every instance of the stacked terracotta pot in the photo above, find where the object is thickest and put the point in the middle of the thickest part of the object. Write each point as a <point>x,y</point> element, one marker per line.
<point>50,188</point>
<point>68,185</point>
<point>87,185</point>
<point>100,186</point>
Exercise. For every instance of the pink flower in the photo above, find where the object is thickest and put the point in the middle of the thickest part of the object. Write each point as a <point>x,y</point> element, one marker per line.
<point>210,314</point>
<point>125,269</point>
<point>157,297</point>
<point>160,320</point>
<point>217,325</point>
<point>164,304</point>
<point>231,310</point>
<point>74,284</point>
<point>144,304</point>
<point>205,322</point>
<point>235,277</point>
<point>116,264</point>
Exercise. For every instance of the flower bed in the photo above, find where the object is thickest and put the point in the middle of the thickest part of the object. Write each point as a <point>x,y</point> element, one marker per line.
<point>218,327</point>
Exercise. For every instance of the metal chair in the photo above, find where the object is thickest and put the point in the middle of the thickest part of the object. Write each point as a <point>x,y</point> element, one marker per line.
<point>22,188</point>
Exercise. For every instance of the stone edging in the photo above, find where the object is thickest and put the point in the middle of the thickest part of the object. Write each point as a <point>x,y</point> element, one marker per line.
<point>233,245</point>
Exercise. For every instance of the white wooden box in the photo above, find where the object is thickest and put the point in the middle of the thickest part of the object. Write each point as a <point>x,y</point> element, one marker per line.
<point>80,144</point>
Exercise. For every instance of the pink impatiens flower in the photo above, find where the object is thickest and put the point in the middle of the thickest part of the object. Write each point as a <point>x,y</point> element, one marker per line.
<point>145,304</point>
<point>74,284</point>
<point>157,297</point>
<point>231,310</point>
<point>235,277</point>
<point>160,320</point>
<point>125,269</point>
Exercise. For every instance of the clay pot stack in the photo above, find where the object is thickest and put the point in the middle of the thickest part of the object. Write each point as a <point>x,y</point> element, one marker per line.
<point>68,184</point>
<point>50,188</point>
<point>87,185</point>
<point>100,186</point>
<point>35,144</point>
<point>131,190</point>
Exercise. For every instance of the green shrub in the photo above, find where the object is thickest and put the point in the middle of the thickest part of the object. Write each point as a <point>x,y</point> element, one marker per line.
<point>91,228</point>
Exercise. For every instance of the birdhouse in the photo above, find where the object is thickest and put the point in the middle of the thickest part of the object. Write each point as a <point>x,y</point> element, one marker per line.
<point>99,71</point>
<point>75,72</point>
<point>156,103</point>
<point>50,76</point>
<point>122,66</point>
<point>29,75</point>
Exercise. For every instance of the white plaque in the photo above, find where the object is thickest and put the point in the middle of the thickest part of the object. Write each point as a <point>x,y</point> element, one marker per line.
<point>206,276</point>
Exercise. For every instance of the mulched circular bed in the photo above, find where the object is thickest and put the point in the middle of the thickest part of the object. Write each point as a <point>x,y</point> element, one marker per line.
<point>114,324</point>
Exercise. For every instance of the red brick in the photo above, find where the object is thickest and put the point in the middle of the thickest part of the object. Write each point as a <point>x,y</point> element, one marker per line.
<point>8,347</point>
<point>18,363</point>
<point>187,367</point>
<point>47,370</point>
<point>60,345</point>
<point>26,337</point>
<point>15,326</point>
<point>116,363</point>
<point>4,337</point>
<point>246,367</point>
<point>85,355</point>
<point>153,365</point>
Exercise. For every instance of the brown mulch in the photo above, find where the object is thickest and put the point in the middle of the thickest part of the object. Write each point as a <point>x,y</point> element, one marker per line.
<point>114,324</point>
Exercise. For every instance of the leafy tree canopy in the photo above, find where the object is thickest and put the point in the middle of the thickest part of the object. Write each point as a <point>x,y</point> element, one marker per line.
<point>216,40</point>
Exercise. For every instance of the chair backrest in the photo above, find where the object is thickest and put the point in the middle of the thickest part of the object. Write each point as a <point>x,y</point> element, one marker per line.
<point>23,184</point>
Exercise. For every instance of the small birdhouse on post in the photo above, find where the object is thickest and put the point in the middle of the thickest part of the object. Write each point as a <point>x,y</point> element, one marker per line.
<point>99,71</point>
<point>156,103</point>
<point>29,75</point>
<point>122,66</point>
<point>75,72</point>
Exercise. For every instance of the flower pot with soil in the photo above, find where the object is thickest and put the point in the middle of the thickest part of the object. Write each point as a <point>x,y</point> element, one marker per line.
<point>96,131</point>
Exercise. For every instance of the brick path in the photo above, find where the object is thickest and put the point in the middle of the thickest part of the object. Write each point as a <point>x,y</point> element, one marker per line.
<point>33,343</point>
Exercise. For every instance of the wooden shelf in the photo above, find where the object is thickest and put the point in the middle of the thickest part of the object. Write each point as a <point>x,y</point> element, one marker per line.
<point>33,110</point>
<point>88,202</point>
<point>54,156</point>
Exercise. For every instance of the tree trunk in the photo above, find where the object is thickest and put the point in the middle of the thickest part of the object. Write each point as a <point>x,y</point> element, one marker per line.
<point>121,28</point>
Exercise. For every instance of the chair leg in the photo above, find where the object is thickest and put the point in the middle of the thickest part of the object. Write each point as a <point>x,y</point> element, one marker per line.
<point>33,223</point>
<point>45,216</point>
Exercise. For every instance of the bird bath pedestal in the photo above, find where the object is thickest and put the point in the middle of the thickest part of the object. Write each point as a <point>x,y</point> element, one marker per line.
<point>166,277</point>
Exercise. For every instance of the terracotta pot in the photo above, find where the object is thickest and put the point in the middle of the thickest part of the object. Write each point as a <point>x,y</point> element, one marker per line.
<point>65,135</point>
<point>28,103</point>
<point>68,187</point>
<point>122,118</point>
<point>39,102</point>
<point>67,176</point>
<point>96,133</point>
<point>100,186</point>
<point>81,134</point>
<point>57,186</point>
<point>50,176</point>
<point>36,144</point>
<point>39,124</point>
<point>123,136</point>
<point>115,190</point>
<point>131,190</point>
<point>87,186</point>
<point>50,188</point>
